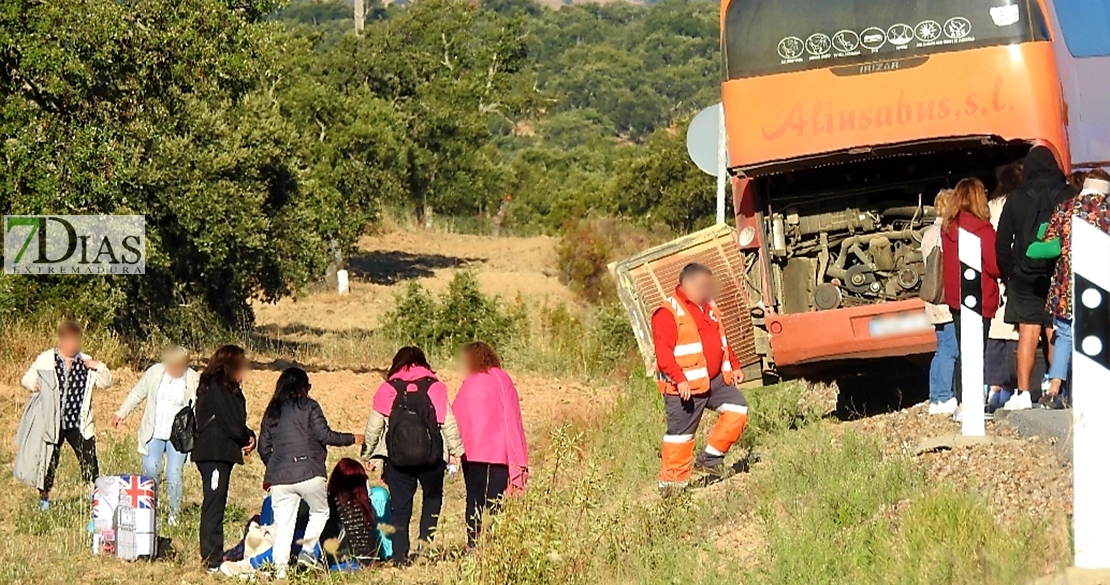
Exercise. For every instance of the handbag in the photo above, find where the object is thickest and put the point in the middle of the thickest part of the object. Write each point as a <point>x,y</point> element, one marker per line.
<point>183,433</point>
<point>932,286</point>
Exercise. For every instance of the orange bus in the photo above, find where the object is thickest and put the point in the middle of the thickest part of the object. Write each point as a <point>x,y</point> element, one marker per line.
<point>844,119</point>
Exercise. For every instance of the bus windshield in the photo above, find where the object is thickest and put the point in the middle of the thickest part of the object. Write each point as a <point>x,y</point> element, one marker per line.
<point>765,37</point>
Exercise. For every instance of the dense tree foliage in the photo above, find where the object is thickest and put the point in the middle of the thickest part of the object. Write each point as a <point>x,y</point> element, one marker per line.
<point>162,110</point>
<point>592,88</point>
<point>256,137</point>
<point>621,81</point>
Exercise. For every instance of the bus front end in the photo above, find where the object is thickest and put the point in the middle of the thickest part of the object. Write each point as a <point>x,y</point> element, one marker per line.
<point>845,119</point>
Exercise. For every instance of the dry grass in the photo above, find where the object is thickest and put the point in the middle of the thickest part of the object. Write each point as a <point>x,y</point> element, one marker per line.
<point>57,540</point>
<point>829,505</point>
<point>22,340</point>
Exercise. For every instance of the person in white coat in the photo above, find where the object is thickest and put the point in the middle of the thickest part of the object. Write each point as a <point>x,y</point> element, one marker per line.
<point>167,387</point>
<point>76,374</point>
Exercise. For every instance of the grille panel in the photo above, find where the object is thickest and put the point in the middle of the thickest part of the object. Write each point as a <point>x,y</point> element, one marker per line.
<point>646,280</point>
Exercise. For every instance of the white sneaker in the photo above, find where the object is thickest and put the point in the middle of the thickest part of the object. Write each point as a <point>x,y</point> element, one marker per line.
<point>171,520</point>
<point>1019,401</point>
<point>933,407</point>
<point>948,407</point>
<point>239,569</point>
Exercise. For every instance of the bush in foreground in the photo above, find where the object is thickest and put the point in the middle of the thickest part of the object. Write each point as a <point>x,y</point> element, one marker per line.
<point>461,314</point>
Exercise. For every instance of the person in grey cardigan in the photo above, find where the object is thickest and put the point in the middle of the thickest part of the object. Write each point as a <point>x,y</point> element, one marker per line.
<point>167,388</point>
<point>293,445</point>
<point>65,416</point>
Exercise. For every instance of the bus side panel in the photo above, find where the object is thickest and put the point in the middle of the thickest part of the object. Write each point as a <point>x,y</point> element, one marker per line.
<point>1086,86</point>
<point>1010,91</point>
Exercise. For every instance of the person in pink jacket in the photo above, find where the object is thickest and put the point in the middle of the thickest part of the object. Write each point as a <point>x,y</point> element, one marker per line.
<point>487,409</point>
<point>411,373</point>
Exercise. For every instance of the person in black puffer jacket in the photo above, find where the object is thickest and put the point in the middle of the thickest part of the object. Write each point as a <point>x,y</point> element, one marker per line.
<point>293,445</point>
<point>222,440</point>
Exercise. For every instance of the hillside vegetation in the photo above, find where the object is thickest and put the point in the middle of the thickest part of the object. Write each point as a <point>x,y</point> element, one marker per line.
<point>257,138</point>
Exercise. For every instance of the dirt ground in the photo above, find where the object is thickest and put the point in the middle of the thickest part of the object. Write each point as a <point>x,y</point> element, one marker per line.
<point>1028,471</point>
<point>508,267</point>
<point>1015,476</point>
<point>344,395</point>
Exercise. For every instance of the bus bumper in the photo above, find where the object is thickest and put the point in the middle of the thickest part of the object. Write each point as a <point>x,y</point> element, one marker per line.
<point>874,331</point>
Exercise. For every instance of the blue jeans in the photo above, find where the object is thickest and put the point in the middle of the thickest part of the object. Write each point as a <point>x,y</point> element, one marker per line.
<point>152,461</point>
<point>1061,351</point>
<point>942,370</point>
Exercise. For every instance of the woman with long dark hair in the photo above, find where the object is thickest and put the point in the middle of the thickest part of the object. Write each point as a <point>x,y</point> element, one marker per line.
<point>488,411</point>
<point>353,521</point>
<point>293,445</point>
<point>419,445</point>
<point>223,439</point>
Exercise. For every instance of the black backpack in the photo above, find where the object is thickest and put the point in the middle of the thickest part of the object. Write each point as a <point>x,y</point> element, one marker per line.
<point>413,438</point>
<point>183,432</point>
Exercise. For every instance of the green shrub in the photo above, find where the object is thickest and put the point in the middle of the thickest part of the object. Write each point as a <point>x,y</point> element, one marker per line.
<point>611,335</point>
<point>775,410</point>
<point>564,341</point>
<point>588,246</point>
<point>583,257</point>
<point>461,314</point>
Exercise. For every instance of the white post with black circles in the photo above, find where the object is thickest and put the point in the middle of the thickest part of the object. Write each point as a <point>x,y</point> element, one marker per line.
<point>971,333</point>
<point>1090,253</point>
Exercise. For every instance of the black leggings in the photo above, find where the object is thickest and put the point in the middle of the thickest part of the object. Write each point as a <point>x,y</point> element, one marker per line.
<point>84,449</point>
<point>402,483</point>
<point>485,484</point>
<point>215,477</point>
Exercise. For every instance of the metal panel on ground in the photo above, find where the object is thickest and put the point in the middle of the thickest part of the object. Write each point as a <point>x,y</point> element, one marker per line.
<point>646,280</point>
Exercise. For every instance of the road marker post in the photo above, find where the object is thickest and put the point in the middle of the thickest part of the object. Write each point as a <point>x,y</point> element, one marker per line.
<point>1090,249</point>
<point>971,333</point>
<point>343,281</point>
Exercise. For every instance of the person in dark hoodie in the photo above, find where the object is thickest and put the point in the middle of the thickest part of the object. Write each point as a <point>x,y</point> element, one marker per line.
<point>1027,280</point>
<point>223,439</point>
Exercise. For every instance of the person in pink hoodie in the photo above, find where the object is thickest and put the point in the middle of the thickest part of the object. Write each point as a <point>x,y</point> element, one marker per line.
<point>487,409</point>
<point>412,374</point>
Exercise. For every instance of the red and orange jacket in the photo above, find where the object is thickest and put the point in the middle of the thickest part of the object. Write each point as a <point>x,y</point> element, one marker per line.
<point>690,345</point>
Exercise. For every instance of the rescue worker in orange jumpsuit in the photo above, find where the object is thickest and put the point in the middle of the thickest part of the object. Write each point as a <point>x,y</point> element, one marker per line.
<point>696,369</point>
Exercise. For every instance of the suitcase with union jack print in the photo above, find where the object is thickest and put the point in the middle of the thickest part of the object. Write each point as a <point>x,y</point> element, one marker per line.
<point>124,512</point>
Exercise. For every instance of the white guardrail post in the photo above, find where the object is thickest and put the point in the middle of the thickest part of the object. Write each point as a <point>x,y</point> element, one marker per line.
<point>1091,393</point>
<point>971,333</point>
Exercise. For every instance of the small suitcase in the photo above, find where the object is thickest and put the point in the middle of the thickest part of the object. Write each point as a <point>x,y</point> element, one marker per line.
<point>124,513</point>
